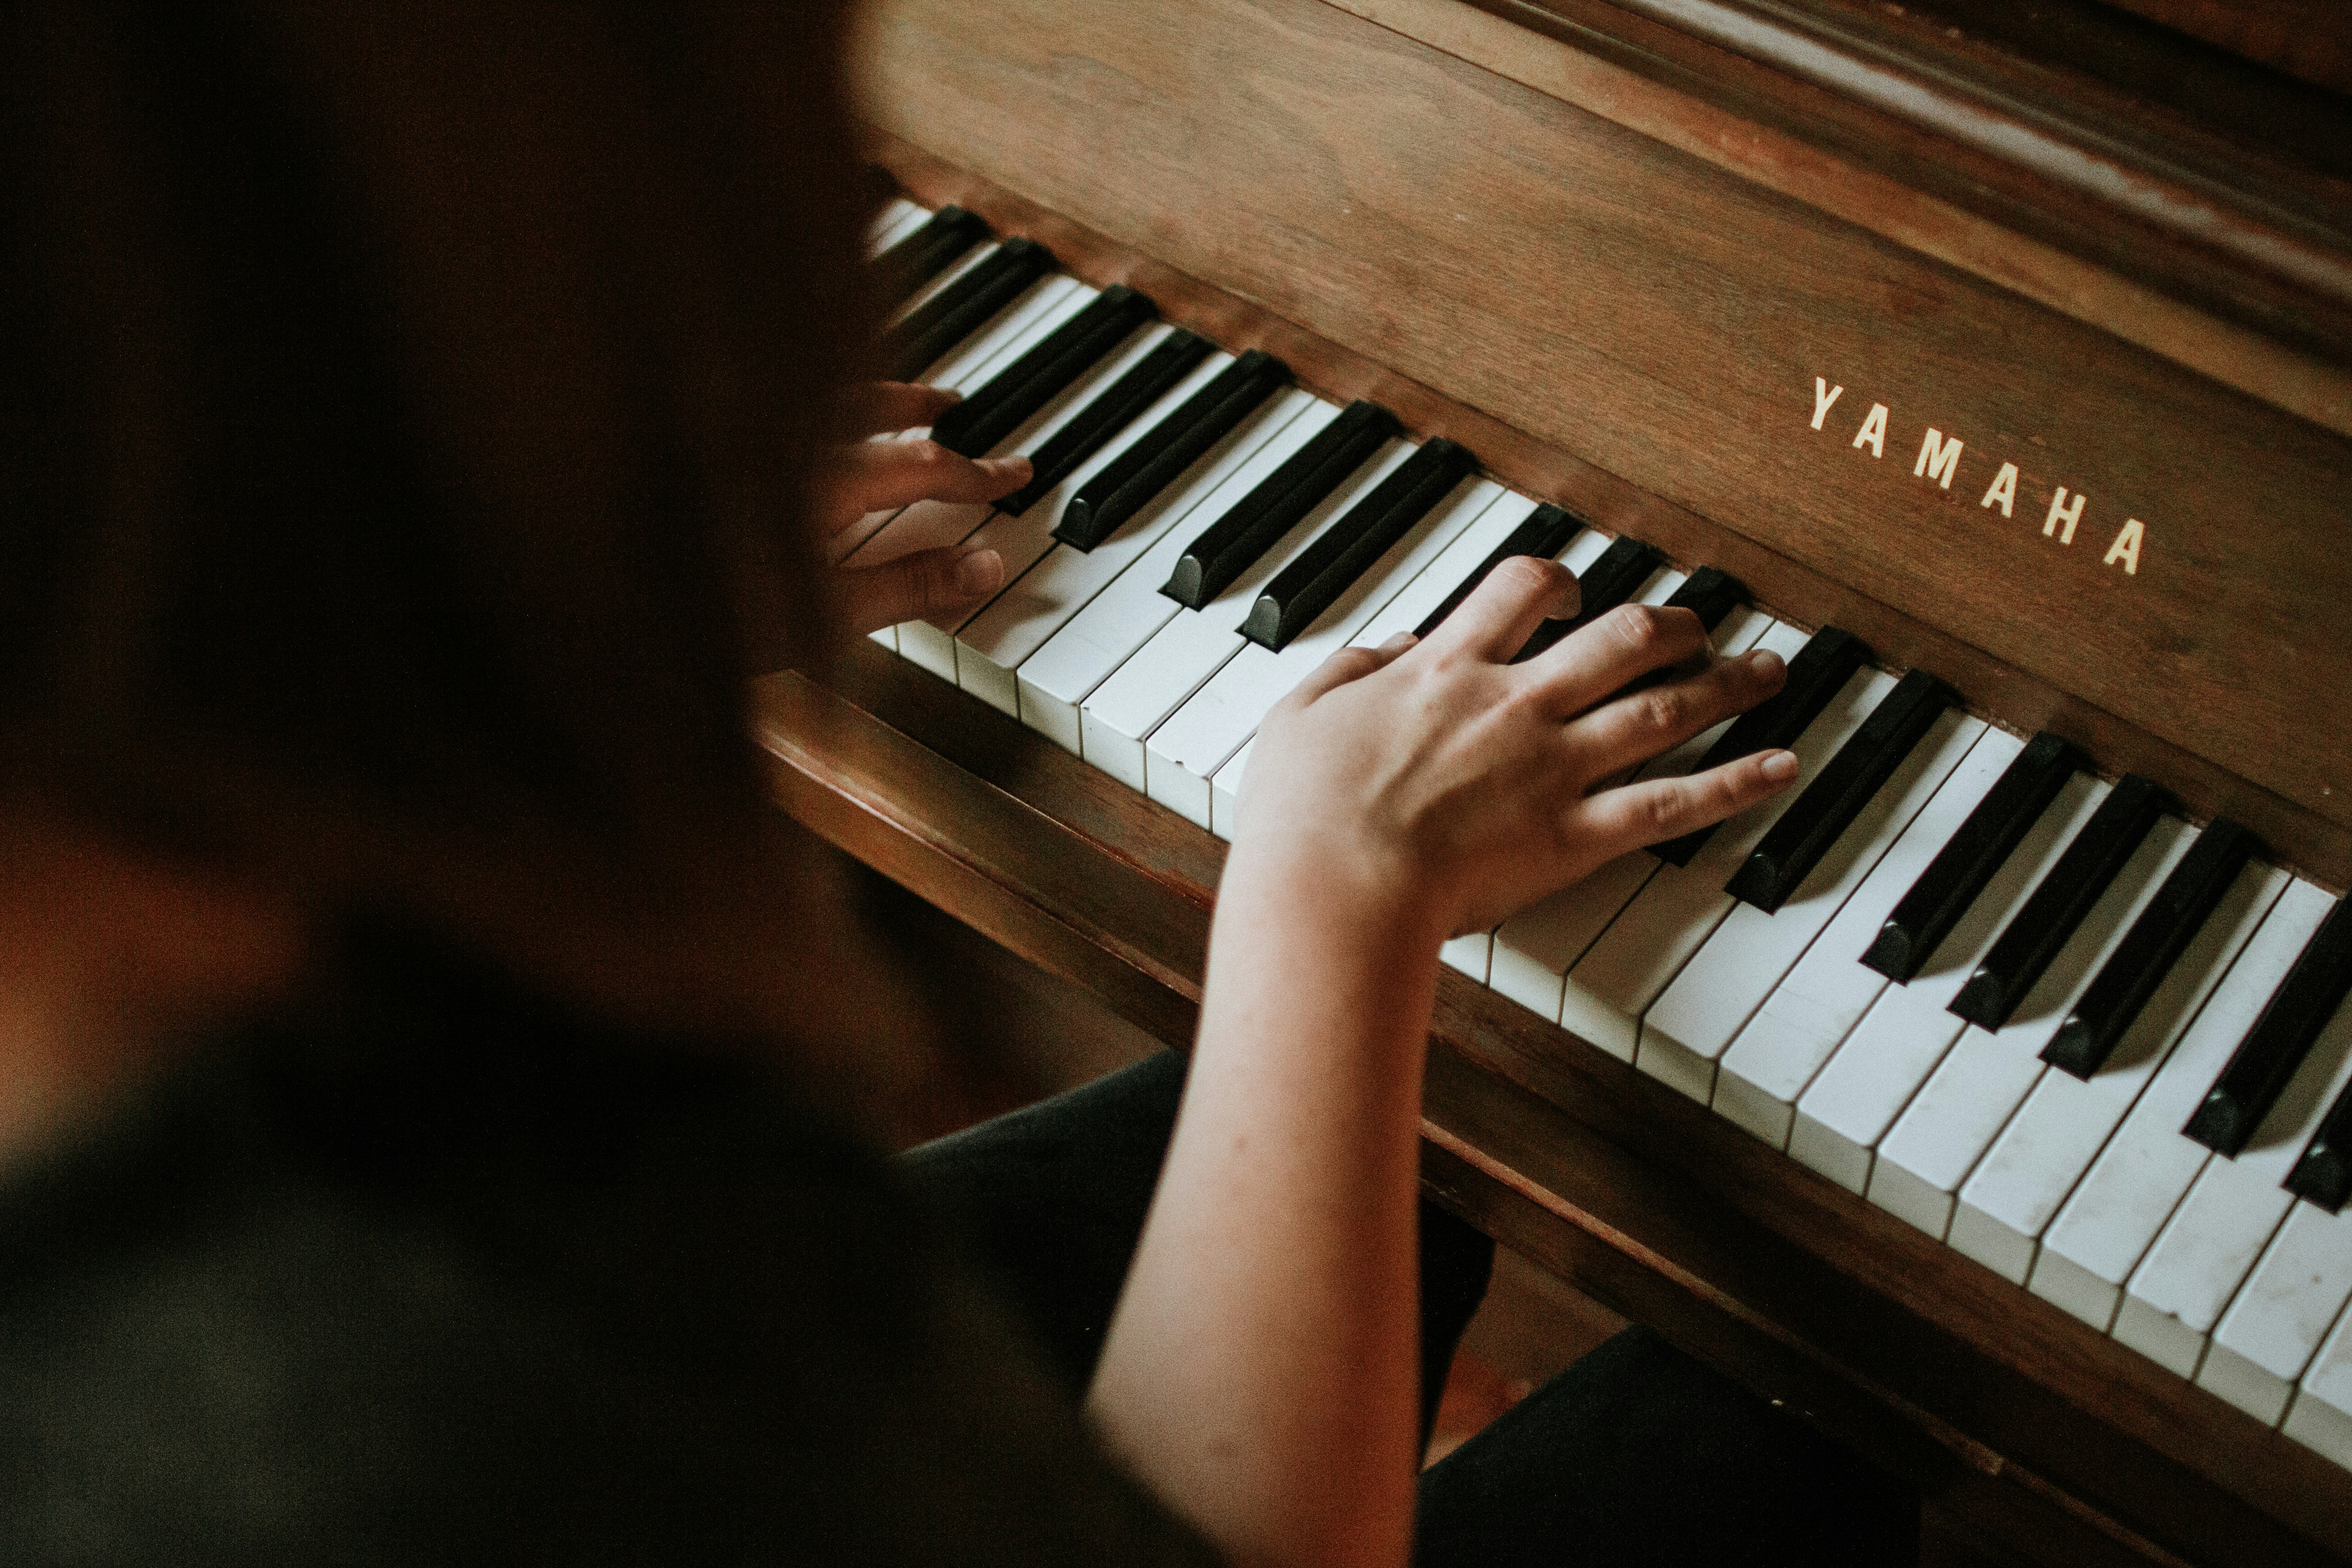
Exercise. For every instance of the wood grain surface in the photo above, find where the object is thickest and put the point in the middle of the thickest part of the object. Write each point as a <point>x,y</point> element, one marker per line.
<point>1653,316</point>
<point>2046,1434</point>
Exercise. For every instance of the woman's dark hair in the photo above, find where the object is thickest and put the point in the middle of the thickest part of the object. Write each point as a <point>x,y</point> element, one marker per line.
<point>404,418</point>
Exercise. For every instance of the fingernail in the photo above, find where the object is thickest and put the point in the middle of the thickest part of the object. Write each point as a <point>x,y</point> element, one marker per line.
<point>1399,643</point>
<point>1781,767</point>
<point>982,571</point>
<point>1007,468</point>
<point>1764,661</point>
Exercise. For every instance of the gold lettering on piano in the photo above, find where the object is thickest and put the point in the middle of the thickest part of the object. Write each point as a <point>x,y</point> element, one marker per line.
<point>2059,512</point>
<point>1873,431</point>
<point>2003,492</point>
<point>2125,548</point>
<point>1938,463</point>
<point>1824,394</point>
<point>1939,459</point>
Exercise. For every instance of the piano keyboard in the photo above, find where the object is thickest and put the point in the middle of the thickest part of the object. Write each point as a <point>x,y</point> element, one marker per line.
<point>2098,1051</point>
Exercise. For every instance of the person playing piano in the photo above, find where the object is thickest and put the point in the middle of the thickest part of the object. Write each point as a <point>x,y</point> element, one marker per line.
<point>432,1076</point>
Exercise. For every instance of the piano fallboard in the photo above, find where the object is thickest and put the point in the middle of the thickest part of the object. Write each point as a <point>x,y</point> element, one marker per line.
<point>1636,301</point>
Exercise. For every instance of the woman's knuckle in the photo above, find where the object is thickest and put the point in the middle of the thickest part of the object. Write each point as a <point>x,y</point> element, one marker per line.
<point>1660,710</point>
<point>1636,625</point>
<point>1527,572</point>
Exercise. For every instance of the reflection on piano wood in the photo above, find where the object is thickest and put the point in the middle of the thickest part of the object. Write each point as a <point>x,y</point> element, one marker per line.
<point>1970,1098</point>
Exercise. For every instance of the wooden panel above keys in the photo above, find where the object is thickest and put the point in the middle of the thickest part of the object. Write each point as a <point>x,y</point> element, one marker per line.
<point>1640,325</point>
<point>2058,1442</point>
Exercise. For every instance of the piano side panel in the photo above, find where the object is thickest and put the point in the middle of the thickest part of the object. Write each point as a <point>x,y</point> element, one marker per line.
<point>1665,320</point>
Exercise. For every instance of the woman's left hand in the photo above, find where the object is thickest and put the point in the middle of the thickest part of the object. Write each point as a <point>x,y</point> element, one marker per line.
<point>867,477</point>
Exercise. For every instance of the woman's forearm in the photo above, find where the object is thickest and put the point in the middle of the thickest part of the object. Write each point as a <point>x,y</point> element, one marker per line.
<point>1262,1371</point>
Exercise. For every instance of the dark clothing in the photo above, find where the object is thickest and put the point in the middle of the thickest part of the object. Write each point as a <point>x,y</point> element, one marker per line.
<point>444,1276</point>
<point>449,1278</point>
<point>1635,1457</point>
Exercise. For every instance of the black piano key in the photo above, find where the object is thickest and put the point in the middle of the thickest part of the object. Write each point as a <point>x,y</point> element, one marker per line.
<point>1125,485</point>
<point>2036,932</point>
<point>1796,843</point>
<point>1342,552</point>
<point>2324,1175</point>
<point>1106,414</point>
<point>1252,525</point>
<point>1971,857</point>
<point>2148,950</point>
<point>958,310</point>
<point>926,253</point>
<point>2291,1021</point>
<point>1710,594</point>
<point>1820,669</point>
<point>1044,373</point>
<point>1545,533</point>
<point>1608,582</point>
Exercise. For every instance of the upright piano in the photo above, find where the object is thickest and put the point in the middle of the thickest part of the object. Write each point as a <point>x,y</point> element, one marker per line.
<point>1985,1099</point>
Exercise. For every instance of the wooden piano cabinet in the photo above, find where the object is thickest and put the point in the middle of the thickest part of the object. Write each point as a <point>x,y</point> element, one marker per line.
<point>1766,325</point>
<point>2043,1434</point>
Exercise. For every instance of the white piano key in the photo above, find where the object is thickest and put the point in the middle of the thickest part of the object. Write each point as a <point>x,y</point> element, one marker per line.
<point>1468,953</point>
<point>1022,540</point>
<point>898,218</point>
<point>1412,605</point>
<point>1184,754</point>
<point>962,368</point>
<point>1126,612</point>
<point>2274,1325</point>
<point>1680,906</point>
<point>2131,1189</point>
<point>1875,1070</point>
<point>1688,1028</point>
<point>1045,587</point>
<point>1226,789</point>
<point>2321,1416</point>
<point>2208,1247</point>
<point>1536,948</point>
<point>1781,1048</point>
<point>2014,1195</point>
<point>1970,1096</point>
<point>1114,722</point>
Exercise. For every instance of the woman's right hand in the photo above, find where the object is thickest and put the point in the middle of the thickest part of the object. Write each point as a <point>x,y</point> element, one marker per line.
<point>1441,782</point>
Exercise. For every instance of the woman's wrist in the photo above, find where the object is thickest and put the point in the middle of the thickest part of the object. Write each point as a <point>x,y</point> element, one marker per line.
<point>1342,892</point>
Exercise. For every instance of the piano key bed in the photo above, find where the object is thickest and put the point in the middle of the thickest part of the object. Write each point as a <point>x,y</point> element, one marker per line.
<point>2097,1049</point>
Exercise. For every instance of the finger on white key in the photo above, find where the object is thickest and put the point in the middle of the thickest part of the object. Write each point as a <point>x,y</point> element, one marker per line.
<point>2113,1216</point>
<point>1536,948</point>
<point>2205,1251</point>
<point>2018,1188</point>
<point>1194,645</point>
<point>1443,575</point>
<point>1876,1070</point>
<point>1018,539</point>
<point>1687,1030</point>
<point>1126,612</point>
<point>1784,1044</point>
<point>1184,754</point>
<point>1680,906</point>
<point>1972,1094</point>
<point>993,645</point>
